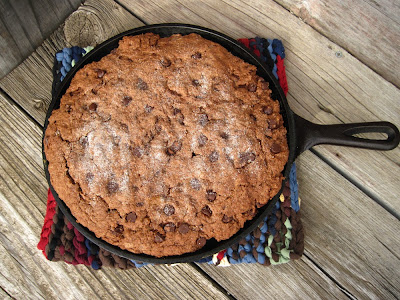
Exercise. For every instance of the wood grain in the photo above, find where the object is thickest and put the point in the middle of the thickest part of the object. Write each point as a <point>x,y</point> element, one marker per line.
<point>25,24</point>
<point>297,280</point>
<point>369,30</point>
<point>348,236</point>
<point>323,88</point>
<point>24,271</point>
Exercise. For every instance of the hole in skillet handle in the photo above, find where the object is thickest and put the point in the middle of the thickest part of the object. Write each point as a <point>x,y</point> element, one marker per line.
<point>236,49</point>
<point>310,134</point>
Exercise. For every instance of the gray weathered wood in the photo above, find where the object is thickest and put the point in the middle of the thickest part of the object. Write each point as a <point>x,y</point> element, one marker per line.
<point>369,30</point>
<point>352,238</point>
<point>297,280</point>
<point>25,24</point>
<point>24,271</point>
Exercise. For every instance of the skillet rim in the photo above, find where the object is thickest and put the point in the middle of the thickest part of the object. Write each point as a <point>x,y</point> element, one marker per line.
<point>239,50</point>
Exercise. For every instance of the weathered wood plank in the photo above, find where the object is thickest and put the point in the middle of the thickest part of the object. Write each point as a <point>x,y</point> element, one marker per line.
<point>24,271</point>
<point>95,21</point>
<point>24,25</point>
<point>369,30</point>
<point>296,280</point>
<point>348,235</point>
<point>322,87</point>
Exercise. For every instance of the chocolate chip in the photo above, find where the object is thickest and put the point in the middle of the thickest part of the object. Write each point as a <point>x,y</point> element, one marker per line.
<point>272,124</point>
<point>203,119</point>
<point>158,128</point>
<point>124,127</point>
<point>174,148</point>
<point>123,57</point>
<point>201,241</point>
<point>84,141</point>
<point>176,111</point>
<point>100,73</point>
<point>247,157</point>
<point>94,91</point>
<point>148,108</point>
<point>181,119</point>
<point>169,210</point>
<point>169,227</point>
<point>93,106</point>
<point>266,110</point>
<point>214,156</point>
<point>116,140</point>
<point>202,140</point>
<point>252,87</point>
<point>253,117</point>
<point>119,229</point>
<point>206,210</point>
<point>195,82</point>
<point>142,85</point>
<point>112,187</point>
<point>137,151</point>
<point>76,92</point>
<point>227,219</point>
<point>131,217</point>
<point>195,184</point>
<point>165,62</point>
<point>126,100</point>
<point>224,135</point>
<point>264,85</point>
<point>197,55</point>
<point>183,228</point>
<point>275,148</point>
<point>159,238</point>
<point>211,196</point>
<point>89,176</point>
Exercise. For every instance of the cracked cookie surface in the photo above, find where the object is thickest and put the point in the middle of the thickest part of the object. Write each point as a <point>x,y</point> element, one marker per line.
<point>166,143</point>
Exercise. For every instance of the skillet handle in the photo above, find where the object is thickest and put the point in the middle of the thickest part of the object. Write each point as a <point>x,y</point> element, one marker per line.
<point>310,134</point>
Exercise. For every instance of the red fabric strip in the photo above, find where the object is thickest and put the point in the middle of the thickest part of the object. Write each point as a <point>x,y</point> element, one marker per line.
<point>48,221</point>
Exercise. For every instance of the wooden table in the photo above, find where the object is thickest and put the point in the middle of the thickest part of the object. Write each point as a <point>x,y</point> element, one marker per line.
<point>343,65</point>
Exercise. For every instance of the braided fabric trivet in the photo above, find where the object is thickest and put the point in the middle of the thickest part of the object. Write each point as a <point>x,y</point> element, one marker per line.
<point>277,240</point>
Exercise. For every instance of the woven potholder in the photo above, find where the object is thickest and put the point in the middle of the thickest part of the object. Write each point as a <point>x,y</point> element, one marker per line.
<point>278,239</point>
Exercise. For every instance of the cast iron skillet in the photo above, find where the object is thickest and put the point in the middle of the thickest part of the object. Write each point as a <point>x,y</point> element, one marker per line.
<point>301,136</point>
